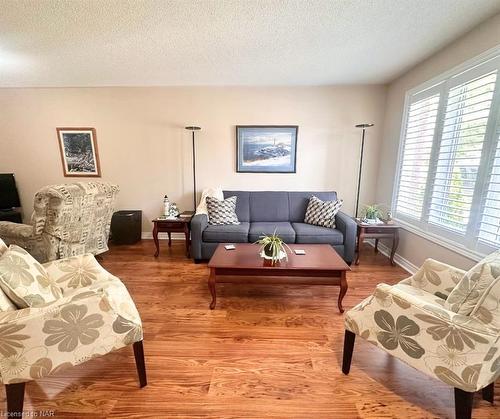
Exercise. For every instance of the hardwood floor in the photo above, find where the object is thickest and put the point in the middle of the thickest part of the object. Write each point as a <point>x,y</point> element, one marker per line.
<point>265,351</point>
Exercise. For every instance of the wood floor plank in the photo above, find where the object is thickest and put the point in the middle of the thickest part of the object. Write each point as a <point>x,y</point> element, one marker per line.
<point>266,351</point>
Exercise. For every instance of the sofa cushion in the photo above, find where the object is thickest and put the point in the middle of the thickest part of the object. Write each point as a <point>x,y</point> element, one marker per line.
<point>242,203</point>
<point>25,281</point>
<point>229,233</point>
<point>283,230</point>
<point>311,234</point>
<point>298,202</point>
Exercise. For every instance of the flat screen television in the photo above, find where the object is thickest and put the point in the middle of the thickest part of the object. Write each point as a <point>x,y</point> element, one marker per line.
<point>9,198</point>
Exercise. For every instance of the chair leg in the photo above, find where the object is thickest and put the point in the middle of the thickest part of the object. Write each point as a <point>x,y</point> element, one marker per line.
<point>349,338</point>
<point>140,364</point>
<point>463,404</point>
<point>489,392</point>
<point>15,399</point>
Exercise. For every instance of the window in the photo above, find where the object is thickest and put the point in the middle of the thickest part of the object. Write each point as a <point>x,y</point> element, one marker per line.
<point>448,184</point>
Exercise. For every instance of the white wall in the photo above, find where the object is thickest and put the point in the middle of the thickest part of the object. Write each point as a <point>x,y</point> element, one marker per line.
<point>414,248</point>
<point>144,147</point>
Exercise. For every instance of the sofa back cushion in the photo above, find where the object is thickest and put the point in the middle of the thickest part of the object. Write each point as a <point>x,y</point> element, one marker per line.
<point>475,286</point>
<point>298,202</point>
<point>269,206</point>
<point>242,204</point>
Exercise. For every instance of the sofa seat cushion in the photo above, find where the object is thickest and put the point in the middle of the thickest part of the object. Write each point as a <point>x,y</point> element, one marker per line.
<point>311,234</point>
<point>228,233</point>
<point>283,229</point>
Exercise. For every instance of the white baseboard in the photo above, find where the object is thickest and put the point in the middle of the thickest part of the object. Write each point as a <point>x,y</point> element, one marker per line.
<point>162,236</point>
<point>398,259</point>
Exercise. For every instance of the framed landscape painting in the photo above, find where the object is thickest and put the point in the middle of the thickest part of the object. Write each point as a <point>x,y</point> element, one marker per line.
<point>266,148</point>
<point>79,154</point>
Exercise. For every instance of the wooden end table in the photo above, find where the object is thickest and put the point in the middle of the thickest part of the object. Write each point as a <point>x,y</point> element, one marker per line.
<point>169,226</point>
<point>321,265</point>
<point>377,232</point>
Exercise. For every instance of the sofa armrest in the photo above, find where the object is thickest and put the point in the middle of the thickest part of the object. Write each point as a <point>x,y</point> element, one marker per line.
<point>198,224</point>
<point>348,228</point>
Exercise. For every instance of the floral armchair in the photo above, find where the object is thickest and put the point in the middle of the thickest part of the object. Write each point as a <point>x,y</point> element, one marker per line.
<point>442,321</point>
<point>68,220</point>
<point>94,316</point>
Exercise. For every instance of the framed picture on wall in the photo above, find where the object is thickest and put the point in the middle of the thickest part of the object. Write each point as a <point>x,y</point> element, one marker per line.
<point>79,153</point>
<point>266,148</point>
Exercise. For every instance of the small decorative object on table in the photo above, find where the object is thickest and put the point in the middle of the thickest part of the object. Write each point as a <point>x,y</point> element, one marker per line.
<point>166,206</point>
<point>174,212</point>
<point>371,214</point>
<point>273,248</point>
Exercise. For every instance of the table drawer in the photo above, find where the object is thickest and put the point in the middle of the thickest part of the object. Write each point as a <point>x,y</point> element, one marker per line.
<point>379,230</point>
<point>172,226</point>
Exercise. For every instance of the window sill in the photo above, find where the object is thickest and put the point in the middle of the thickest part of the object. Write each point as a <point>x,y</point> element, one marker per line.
<point>434,238</point>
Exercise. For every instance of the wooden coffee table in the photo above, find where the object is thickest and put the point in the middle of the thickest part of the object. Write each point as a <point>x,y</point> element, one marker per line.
<point>321,265</point>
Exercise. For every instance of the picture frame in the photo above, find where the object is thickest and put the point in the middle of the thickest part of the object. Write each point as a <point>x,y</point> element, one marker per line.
<point>266,148</point>
<point>79,153</point>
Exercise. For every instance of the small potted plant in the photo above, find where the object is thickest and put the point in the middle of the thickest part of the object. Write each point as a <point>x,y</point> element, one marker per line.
<point>372,214</point>
<point>273,248</point>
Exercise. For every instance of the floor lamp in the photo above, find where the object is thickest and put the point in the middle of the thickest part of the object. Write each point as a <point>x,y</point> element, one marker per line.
<point>193,129</point>
<point>364,127</point>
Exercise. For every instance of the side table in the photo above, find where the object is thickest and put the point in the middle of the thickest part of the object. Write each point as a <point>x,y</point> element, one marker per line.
<point>377,232</point>
<point>169,226</point>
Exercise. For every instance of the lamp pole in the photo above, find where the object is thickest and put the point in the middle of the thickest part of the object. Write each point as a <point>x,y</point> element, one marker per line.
<point>364,127</point>
<point>193,129</point>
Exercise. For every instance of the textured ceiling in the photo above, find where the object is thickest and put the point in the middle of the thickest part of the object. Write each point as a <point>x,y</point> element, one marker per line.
<point>224,42</point>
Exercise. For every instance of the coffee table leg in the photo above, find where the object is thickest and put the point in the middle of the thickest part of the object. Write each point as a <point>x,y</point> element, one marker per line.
<point>211,286</point>
<point>343,289</point>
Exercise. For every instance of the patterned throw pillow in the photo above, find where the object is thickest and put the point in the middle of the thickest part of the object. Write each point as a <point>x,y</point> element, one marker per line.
<point>475,285</point>
<point>25,281</point>
<point>222,212</point>
<point>322,213</point>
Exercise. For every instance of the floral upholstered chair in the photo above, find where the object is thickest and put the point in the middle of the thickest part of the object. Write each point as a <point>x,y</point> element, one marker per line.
<point>442,321</point>
<point>58,315</point>
<point>68,220</point>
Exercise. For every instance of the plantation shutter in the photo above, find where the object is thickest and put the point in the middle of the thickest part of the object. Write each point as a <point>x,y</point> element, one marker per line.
<point>461,144</point>
<point>415,157</point>
<point>489,230</point>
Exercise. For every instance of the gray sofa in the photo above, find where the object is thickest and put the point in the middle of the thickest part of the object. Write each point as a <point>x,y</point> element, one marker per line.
<point>262,213</point>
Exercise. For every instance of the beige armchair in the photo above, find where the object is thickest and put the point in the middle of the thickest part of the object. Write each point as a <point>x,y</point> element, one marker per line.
<point>94,316</point>
<point>68,220</point>
<point>442,321</point>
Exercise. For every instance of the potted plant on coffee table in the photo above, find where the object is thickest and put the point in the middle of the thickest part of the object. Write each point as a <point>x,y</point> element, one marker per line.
<point>272,247</point>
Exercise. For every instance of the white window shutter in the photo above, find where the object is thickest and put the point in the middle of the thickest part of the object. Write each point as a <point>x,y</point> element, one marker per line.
<point>460,148</point>
<point>415,157</point>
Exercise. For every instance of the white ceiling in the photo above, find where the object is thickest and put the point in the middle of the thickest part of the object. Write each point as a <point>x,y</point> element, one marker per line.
<point>224,42</point>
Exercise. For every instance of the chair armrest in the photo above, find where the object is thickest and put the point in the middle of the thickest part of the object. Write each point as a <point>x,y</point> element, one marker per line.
<point>198,223</point>
<point>76,272</point>
<point>348,228</point>
<point>10,230</point>
<point>66,332</point>
<point>456,349</point>
<point>436,278</point>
